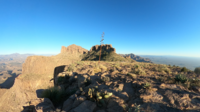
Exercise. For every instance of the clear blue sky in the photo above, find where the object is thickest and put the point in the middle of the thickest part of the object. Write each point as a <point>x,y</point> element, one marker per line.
<point>141,27</point>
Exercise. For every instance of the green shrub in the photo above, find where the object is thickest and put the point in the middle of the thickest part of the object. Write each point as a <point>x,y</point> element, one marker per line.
<point>184,69</point>
<point>141,72</point>
<point>197,70</point>
<point>136,66</point>
<point>181,78</point>
<point>56,95</point>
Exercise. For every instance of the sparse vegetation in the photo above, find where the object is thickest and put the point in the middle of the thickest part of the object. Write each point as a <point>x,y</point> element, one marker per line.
<point>136,108</point>
<point>71,67</point>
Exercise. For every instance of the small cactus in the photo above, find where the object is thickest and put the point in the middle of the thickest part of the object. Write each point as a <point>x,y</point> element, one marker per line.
<point>97,96</point>
<point>147,85</point>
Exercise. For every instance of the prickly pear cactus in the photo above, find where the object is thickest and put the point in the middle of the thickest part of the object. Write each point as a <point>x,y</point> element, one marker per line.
<point>97,96</point>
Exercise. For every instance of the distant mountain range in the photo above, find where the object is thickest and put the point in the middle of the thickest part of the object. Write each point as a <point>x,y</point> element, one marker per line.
<point>137,58</point>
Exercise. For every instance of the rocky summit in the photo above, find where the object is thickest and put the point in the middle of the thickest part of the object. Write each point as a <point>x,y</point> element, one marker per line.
<point>64,83</point>
<point>73,49</point>
<point>106,47</point>
<point>106,53</point>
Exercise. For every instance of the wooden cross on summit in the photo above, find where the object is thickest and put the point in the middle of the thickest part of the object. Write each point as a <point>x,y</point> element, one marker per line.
<point>101,46</point>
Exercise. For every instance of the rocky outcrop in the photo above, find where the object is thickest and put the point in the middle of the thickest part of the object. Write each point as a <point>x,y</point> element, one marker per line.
<point>136,58</point>
<point>37,72</point>
<point>73,49</point>
<point>106,47</point>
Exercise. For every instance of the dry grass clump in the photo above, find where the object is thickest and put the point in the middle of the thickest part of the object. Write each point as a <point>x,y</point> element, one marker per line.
<point>184,69</point>
<point>101,66</point>
<point>97,69</point>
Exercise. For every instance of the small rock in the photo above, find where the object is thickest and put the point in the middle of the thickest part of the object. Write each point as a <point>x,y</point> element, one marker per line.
<point>86,106</point>
<point>78,101</point>
<point>100,111</point>
<point>68,104</point>
<point>121,86</point>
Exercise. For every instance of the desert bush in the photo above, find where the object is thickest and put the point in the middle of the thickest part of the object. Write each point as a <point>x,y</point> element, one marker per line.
<point>181,78</point>
<point>197,70</point>
<point>137,66</point>
<point>184,69</point>
<point>167,70</point>
<point>195,82</point>
<point>56,95</point>
<point>141,72</point>
<point>79,63</point>
<point>155,68</point>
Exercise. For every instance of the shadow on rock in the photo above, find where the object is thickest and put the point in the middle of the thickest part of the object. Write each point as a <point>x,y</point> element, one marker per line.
<point>9,82</point>
<point>39,93</point>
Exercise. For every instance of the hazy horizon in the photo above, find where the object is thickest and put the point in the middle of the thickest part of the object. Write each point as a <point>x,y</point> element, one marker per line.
<point>142,55</point>
<point>140,27</point>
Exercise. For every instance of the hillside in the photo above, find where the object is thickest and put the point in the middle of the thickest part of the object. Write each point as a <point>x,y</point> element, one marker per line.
<point>65,83</point>
<point>122,86</point>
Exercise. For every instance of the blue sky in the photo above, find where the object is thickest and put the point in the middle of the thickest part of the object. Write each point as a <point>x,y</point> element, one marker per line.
<point>141,27</point>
